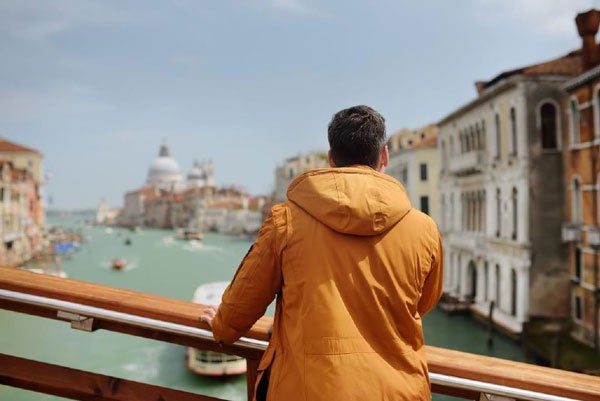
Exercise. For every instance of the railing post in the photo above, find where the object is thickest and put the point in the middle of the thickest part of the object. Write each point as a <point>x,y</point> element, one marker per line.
<point>251,373</point>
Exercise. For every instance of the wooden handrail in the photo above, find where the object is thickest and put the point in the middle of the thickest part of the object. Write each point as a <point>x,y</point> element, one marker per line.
<point>441,361</point>
<point>76,384</point>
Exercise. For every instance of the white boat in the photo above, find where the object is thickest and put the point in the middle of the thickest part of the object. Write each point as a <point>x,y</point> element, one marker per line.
<point>189,233</point>
<point>209,363</point>
<point>56,273</point>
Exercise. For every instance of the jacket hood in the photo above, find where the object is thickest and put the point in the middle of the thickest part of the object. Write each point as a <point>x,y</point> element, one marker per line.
<point>351,200</point>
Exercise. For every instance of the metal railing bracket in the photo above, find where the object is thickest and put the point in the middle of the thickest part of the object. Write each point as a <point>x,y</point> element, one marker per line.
<point>78,321</point>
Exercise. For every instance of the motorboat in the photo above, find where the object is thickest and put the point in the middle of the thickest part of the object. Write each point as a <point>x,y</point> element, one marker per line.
<point>119,263</point>
<point>190,233</point>
<point>210,363</point>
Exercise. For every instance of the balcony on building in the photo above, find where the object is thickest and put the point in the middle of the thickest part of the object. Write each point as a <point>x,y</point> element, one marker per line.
<point>467,240</point>
<point>467,163</point>
<point>571,232</point>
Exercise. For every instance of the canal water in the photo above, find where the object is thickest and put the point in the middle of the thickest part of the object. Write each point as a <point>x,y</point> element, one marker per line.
<point>173,269</point>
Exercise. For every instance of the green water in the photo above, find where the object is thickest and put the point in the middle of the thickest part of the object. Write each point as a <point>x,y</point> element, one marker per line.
<point>173,270</point>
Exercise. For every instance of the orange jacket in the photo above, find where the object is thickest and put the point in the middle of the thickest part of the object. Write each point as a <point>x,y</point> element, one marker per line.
<point>354,268</point>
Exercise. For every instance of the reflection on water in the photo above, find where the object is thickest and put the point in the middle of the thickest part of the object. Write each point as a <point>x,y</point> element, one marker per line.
<point>171,268</point>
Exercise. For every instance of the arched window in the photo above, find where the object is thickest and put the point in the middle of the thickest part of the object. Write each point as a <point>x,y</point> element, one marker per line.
<point>576,199</point>
<point>451,146</point>
<point>513,130</point>
<point>513,292</point>
<point>498,136</point>
<point>483,138</point>
<point>443,155</point>
<point>574,120</point>
<point>549,126</point>
<point>515,217</point>
<point>498,213</point>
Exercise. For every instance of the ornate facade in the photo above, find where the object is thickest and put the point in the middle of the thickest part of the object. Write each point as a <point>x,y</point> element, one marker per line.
<point>502,198</point>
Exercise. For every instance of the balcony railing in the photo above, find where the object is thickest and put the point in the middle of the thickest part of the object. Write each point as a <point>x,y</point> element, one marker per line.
<point>90,307</point>
<point>571,232</point>
<point>467,163</point>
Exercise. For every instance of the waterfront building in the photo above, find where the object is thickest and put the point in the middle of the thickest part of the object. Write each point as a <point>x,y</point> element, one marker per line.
<point>157,209</point>
<point>15,247</point>
<point>105,215</point>
<point>414,161</point>
<point>134,211</point>
<point>581,145</point>
<point>22,215</point>
<point>294,166</point>
<point>168,202</point>
<point>502,196</point>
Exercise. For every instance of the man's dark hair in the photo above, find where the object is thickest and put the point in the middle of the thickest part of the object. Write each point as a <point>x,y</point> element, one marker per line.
<point>356,136</point>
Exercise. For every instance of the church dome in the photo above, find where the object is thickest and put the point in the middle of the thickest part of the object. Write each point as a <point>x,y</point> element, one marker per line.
<point>164,171</point>
<point>164,166</point>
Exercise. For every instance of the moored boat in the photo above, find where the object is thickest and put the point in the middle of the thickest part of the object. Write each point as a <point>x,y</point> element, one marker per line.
<point>209,363</point>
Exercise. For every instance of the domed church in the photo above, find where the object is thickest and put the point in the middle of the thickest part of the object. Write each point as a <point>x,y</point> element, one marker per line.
<point>164,172</point>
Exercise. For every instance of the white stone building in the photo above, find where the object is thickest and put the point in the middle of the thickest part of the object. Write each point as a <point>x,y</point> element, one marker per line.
<point>501,196</point>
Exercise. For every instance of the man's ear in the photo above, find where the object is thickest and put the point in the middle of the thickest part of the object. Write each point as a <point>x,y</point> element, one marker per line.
<point>330,159</point>
<point>384,159</point>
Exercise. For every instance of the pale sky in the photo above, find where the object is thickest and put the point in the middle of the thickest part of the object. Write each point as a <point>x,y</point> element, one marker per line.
<point>96,86</point>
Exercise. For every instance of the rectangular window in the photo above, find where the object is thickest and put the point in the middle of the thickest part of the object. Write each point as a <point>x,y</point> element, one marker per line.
<point>425,204</point>
<point>423,168</point>
<point>578,263</point>
<point>578,308</point>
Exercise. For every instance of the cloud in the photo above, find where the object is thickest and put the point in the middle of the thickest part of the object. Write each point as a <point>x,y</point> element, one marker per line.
<point>40,20</point>
<point>294,6</point>
<point>547,17</point>
<point>297,7</point>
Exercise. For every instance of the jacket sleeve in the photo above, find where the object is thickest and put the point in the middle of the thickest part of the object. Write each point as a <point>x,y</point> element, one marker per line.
<point>255,283</point>
<point>434,281</point>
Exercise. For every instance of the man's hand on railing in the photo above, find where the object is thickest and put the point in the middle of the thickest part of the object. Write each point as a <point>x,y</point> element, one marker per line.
<point>208,314</point>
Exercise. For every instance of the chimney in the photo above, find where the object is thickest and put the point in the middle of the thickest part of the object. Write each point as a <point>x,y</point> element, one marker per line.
<point>587,26</point>
<point>480,86</point>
